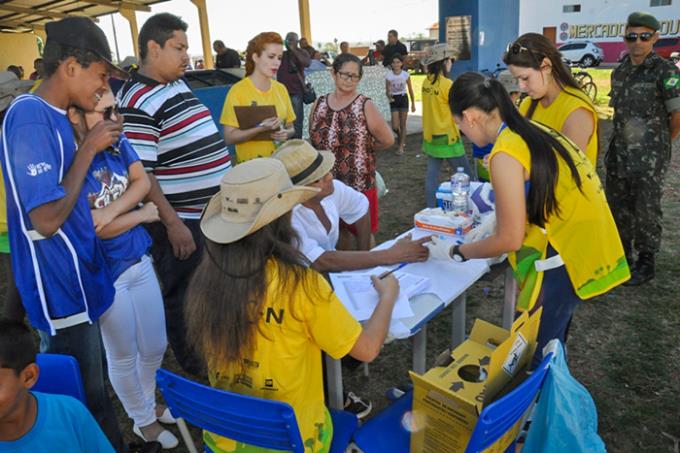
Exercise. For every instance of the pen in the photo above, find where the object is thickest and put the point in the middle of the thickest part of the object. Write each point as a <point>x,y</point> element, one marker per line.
<point>385,274</point>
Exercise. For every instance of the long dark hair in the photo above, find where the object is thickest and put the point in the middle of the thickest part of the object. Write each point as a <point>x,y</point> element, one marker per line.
<point>529,50</point>
<point>474,90</point>
<point>436,69</point>
<point>227,291</point>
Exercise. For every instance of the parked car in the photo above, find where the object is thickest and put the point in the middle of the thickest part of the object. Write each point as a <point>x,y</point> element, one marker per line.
<point>586,53</point>
<point>416,53</point>
<point>665,48</point>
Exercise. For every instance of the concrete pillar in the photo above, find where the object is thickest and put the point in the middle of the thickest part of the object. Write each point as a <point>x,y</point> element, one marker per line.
<point>205,33</point>
<point>305,27</point>
<point>131,17</point>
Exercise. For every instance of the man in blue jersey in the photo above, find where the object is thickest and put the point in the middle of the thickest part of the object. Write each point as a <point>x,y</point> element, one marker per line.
<point>60,270</point>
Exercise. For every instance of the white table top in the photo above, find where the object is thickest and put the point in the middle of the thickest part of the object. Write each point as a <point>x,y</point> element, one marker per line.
<point>448,280</point>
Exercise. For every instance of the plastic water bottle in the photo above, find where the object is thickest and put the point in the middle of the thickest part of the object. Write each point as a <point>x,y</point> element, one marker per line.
<point>460,189</point>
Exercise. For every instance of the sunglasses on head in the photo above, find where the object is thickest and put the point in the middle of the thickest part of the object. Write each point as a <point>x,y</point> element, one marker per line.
<point>515,48</point>
<point>644,36</point>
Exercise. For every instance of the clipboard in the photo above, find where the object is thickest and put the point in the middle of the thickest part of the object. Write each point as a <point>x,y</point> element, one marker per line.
<point>249,116</point>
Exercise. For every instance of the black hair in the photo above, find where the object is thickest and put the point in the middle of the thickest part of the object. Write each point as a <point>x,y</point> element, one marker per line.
<point>17,345</point>
<point>393,32</point>
<point>529,50</point>
<point>15,69</point>
<point>341,59</point>
<point>398,56</point>
<point>437,68</point>
<point>472,89</point>
<point>159,28</point>
<point>54,54</point>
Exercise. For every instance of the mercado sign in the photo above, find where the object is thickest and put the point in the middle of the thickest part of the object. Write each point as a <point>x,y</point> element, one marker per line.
<point>668,27</point>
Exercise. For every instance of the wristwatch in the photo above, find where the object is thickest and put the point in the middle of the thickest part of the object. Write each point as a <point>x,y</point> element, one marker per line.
<point>457,255</point>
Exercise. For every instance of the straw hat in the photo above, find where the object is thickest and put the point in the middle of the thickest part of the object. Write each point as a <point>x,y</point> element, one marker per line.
<point>252,195</point>
<point>304,163</point>
<point>438,52</point>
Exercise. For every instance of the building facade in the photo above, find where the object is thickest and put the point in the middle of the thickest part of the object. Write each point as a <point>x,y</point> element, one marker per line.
<point>600,21</point>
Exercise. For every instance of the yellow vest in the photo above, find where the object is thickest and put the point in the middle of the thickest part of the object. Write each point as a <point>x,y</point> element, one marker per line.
<point>583,232</point>
<point>440,133</point>
<point>556,114</point>
<point>286,363</point>
<point>245,93</point>
<point>3,206</point>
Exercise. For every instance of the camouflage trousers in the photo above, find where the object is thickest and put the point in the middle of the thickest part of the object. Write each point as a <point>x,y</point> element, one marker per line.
<point>635,202</point>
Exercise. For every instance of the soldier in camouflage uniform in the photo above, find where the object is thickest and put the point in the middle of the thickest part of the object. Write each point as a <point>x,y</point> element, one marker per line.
<point>645,95</point>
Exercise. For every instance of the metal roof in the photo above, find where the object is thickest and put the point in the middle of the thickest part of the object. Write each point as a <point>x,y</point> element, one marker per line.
<point>27,15</point>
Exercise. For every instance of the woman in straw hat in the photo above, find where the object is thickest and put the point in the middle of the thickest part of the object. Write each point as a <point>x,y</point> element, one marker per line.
<point>258,315</point>
<point>317,221</point>
<point>441,139</point>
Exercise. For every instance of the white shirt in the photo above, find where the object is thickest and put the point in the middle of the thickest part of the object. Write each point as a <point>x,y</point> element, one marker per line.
<point>344,203</point>
<point>397,82</point>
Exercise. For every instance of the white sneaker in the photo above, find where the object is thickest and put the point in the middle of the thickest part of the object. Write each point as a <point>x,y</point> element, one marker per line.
<point>165,438</point>
<point>167,418</point>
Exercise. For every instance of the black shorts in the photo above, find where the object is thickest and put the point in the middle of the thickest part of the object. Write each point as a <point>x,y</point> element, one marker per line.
<point>400,103</point>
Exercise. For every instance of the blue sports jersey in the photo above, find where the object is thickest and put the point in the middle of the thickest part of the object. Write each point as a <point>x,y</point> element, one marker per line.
<point>66,274</point>
<point>107,179</point>
<point>62,424</point>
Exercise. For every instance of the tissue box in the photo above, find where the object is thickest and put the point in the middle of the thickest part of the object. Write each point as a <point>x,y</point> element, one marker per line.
<point>439,221</point>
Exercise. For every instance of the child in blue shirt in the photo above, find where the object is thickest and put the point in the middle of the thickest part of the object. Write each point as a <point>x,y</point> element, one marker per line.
<point>133,328</point>
<point>33,421</point>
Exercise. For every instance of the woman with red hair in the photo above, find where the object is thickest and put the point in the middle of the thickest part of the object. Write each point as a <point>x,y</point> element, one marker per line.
<point>263,58</point>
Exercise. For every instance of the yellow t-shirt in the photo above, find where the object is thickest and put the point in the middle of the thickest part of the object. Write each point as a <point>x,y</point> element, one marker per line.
<point>556,114</point>
<point>245,93</point>
<point>583,232</point>
<point>440,133</point>
<point>286,364</point>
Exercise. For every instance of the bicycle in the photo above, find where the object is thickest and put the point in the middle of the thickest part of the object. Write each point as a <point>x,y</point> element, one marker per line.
<point>584,80</point>
<point>493,74</point>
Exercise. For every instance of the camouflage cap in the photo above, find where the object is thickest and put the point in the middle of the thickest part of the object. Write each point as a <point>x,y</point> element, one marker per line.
<point>438,52</point>
<point>642,19</point>
<point>508,81</point>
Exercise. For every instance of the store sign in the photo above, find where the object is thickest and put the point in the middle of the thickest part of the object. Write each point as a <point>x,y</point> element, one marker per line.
<point>668,28</point>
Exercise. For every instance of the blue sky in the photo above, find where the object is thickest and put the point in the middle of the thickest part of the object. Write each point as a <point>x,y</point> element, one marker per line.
<point>235,22</point>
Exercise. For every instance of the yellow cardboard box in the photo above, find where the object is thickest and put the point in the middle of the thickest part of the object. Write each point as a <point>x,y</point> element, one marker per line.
<point>447,400</point>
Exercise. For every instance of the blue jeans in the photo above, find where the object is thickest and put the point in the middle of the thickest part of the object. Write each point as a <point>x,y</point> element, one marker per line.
<point>298,108</point>
<point>559,301</point>
<point>84,342</point>
<point>434,165</point>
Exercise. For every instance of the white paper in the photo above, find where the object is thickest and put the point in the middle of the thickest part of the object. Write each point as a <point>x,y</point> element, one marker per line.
<point>356,292</point>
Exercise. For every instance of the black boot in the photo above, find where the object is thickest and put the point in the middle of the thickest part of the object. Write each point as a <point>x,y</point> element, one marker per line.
<point>644,270</point>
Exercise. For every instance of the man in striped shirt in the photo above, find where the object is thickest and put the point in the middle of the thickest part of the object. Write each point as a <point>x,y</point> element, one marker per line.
<point>185,158</point>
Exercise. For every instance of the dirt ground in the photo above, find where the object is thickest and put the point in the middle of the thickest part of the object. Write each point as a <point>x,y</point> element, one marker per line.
<point>624,346</point>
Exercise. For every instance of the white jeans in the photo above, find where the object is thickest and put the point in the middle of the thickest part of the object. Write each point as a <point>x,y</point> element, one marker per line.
<point>133,331</point>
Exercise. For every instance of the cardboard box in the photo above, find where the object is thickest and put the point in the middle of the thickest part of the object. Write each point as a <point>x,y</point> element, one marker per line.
<point>439,221</point>
<point>447,400</point>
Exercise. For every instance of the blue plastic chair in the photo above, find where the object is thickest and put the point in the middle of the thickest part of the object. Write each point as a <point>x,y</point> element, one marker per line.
<point>254,421</point>
<point>60,374</point>
<point>386,431</point>
<point>500,416</point>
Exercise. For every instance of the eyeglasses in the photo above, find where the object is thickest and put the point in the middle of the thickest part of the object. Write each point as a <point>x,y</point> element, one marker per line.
<point>644,36</point>
<point>349,77</point>
<point>110,111</point>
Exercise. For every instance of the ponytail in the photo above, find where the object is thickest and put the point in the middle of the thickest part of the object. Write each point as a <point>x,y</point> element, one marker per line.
<point>473,90</point>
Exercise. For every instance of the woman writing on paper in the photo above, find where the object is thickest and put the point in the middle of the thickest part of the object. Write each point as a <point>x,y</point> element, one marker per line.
<point>552,216</point>
<point>263,58</point>
<point>259,316</point>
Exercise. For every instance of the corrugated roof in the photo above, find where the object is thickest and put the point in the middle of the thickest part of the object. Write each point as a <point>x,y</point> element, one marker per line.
<point>26,15</point>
